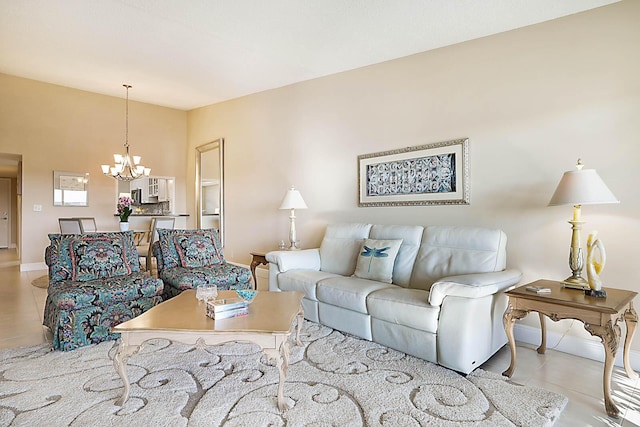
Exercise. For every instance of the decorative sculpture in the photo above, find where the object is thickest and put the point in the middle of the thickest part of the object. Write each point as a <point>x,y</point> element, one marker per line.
<point>596,259</point>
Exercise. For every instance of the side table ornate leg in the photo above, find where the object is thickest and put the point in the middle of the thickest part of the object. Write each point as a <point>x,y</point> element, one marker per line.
<point>120,364</point>
<point>543,327</point>
<point>631,321</point>
<point>610,336</point>
<point>509,318</point>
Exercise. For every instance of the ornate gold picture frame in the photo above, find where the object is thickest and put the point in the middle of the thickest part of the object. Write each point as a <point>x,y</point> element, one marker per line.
<point>432,174</point>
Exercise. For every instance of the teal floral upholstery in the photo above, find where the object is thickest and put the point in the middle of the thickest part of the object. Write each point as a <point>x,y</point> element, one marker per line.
<point>188,258</point>
<point>95,283</point>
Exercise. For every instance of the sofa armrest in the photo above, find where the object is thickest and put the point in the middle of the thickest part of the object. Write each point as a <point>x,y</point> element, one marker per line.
<point>308,259</point>
<point>473,285</point>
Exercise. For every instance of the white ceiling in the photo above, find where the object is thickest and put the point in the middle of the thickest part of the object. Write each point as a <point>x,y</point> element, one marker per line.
<point>186,54</point>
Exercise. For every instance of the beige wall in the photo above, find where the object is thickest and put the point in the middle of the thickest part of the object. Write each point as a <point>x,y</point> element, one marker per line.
<point>57,128</point>
<point>531,101</point>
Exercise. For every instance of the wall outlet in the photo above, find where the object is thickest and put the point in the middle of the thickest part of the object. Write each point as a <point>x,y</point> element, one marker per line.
<point>37,208</point>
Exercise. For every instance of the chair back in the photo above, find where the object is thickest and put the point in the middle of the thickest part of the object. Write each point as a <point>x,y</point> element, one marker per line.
<point>70,226</point>
<point>88,225</point>
<point>160,222</point>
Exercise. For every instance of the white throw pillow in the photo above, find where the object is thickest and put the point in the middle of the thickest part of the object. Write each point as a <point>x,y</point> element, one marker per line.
<point>376,259</point>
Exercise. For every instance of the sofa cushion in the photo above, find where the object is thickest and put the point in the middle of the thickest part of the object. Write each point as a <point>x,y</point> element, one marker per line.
<point>407,307</point>
<point>411,236</point>
<point>174,245</point>
<point>91,256</point>
<point>376,259</point>
<point>348,292</point>
<point>340,246</point>
<point>451,251</point>
<point>302,281</point>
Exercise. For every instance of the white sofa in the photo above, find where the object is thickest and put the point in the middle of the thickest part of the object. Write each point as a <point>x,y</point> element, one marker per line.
<point>445,302</point>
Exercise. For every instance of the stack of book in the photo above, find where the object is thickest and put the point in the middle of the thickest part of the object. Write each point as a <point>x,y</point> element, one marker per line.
<point>226,308</point>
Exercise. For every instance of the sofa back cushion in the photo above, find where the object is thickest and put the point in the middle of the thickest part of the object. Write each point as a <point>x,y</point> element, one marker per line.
<point>449,251</point>
<point>340,247</point>
<point>411,235</point>
<point>190,248</point>
<point>93,256</point>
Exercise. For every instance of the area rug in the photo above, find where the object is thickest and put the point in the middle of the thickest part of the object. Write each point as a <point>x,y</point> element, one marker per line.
<point>333,380</point>
<point>41,282</point>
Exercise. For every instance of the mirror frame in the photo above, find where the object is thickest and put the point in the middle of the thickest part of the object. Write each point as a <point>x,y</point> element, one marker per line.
<point>201,149</point>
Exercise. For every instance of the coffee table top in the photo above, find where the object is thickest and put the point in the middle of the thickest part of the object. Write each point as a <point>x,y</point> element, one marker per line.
<point>616,298</point>
<point>269,312</point>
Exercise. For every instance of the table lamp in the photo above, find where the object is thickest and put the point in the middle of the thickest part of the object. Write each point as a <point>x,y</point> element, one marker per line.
<point>577,188</point>
<point>293,200</point>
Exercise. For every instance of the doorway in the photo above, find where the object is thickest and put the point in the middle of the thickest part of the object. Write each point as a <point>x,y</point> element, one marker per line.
<point>10,212</point>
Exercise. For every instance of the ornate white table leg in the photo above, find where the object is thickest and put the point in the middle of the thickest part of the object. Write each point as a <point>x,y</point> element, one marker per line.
<point>610,336</point>
<point>509,318</point>
<point>281,356</point>
<point>300,320</point>
<point>631,320</point>
<point>120,363</point>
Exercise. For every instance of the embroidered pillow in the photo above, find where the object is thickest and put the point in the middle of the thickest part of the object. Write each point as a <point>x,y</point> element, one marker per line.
<point>67,250</point>
<point>97,256</point>
<point>197,250</point>
<point>376,259</point>
<point>189,248</point>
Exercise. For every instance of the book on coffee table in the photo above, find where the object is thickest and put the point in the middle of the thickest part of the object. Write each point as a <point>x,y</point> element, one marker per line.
<point>219,305</point>
<point>226,314</point>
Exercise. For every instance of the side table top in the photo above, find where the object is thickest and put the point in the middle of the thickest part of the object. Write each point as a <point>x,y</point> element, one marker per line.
<point>615,301</point>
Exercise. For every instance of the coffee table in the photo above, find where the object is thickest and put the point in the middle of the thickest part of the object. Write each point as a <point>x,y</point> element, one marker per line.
<point>183,319</point>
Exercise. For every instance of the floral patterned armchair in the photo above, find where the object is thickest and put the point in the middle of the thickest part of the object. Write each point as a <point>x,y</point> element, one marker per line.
<point>95,283</point>
<point>188,258</point>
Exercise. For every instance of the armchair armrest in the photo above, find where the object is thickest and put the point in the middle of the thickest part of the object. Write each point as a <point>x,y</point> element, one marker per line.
<point>308,259</point>
<point>473,285</point>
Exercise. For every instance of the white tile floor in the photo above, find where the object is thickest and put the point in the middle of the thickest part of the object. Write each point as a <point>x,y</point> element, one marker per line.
<point>22,307</point>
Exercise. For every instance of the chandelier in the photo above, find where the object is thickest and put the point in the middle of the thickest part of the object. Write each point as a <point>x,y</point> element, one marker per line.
<point>127,167</point>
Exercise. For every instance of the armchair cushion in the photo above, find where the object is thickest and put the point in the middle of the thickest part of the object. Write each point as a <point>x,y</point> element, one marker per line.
<point>224,276</point>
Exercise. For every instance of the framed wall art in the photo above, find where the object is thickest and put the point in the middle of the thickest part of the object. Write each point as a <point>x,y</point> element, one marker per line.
<point>432,174</point>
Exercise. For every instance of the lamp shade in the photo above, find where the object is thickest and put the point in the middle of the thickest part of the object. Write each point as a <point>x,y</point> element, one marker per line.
<point>582,187</point>
<point>293,200</point>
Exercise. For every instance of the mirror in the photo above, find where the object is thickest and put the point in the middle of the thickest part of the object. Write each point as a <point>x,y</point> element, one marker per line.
<point>70,189</point>
<point>152,195</point>
<point>210,186</point>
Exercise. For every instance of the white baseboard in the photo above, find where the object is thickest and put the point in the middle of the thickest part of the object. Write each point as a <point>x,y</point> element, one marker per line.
<point>573,345</point>
<point>33,266</point>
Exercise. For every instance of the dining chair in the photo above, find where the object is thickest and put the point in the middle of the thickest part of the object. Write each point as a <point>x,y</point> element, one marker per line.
<point>144,250</point>
<point>70,226</point>
<point>87,225</point>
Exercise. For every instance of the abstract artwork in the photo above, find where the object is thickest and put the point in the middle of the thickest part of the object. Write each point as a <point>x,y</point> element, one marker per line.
<point>423,175</point>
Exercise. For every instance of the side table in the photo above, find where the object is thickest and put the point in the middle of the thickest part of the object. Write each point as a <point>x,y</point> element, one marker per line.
<point>599,315</point>
<point>257,258</point>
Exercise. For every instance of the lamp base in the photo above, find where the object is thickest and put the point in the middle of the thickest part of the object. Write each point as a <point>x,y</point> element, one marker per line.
<point>573,282</point>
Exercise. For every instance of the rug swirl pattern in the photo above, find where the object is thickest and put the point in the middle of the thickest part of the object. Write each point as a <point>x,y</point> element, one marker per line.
<point>333,380</point>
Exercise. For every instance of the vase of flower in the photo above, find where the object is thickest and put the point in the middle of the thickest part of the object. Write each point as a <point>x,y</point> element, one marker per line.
<point>124,210</point>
